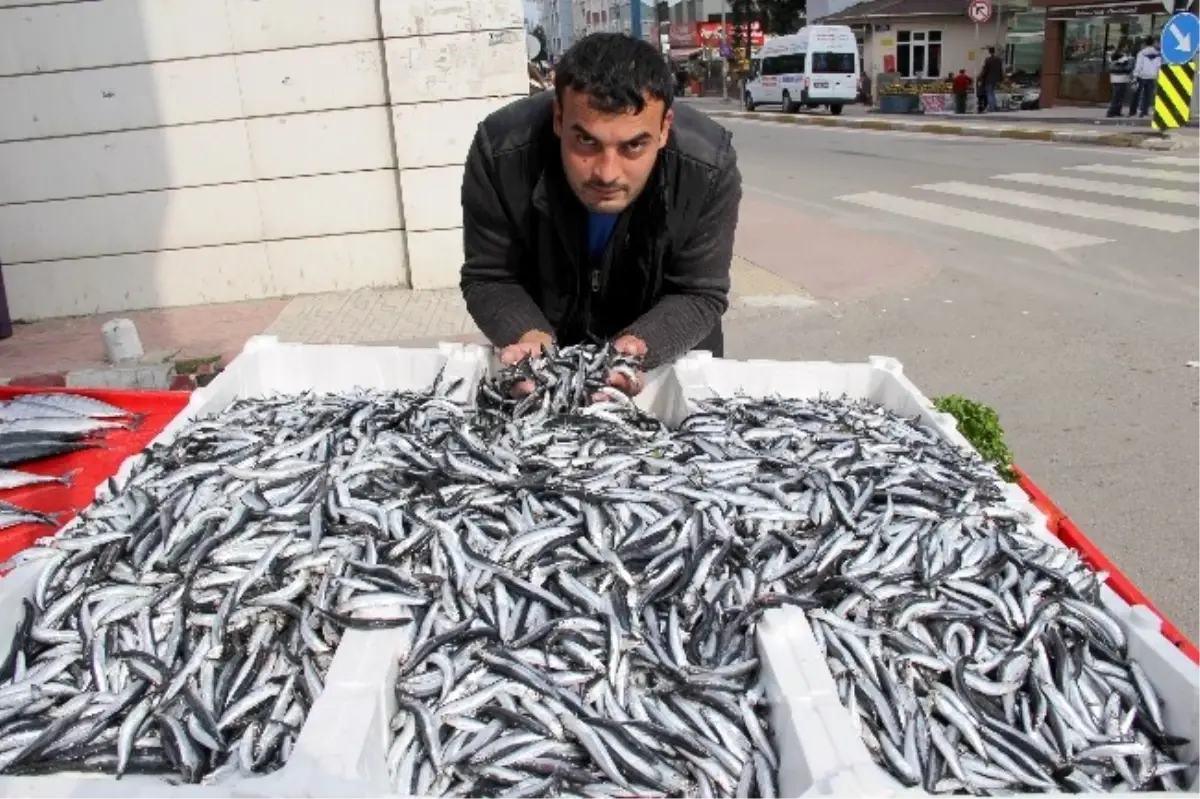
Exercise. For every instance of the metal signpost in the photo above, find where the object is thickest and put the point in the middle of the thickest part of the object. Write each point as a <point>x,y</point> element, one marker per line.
<point>1177,76</point>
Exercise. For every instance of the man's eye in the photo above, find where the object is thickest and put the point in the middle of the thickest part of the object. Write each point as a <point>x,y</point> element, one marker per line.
<point>586,141</point>
<point>635,148</point>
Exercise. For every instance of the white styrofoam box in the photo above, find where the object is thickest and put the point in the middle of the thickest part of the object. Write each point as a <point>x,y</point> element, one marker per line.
<point>311,78</point>
<point>345,741</point>
<point>430,17</point>
<point>432,198</point>
<point>133,160</point>
<point>456,66</point>
<point>346,140</point>
<point>435,258</point>
<point>227,273</point>
<point>68,36</point>
<point>119,98</point>
<point>882,381</point>
<point>455,122</point>
<point>268,366</point>
<point>340,751</point>
<point>346,202</point>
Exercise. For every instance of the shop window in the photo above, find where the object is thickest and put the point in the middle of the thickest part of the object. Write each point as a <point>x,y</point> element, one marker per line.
<point>1086,44</point>
<point>919,54</point>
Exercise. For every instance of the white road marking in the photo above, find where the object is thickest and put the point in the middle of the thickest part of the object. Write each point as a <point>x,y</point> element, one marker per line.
<point>1118,214</point>
<point>1139,172</point>
<point>1047,238</point>
<point>1130,191</point>
<point>1171,160</point>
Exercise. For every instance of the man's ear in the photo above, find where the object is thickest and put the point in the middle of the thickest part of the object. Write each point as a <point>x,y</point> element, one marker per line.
<point>557,118</point>
<point>665,134</point>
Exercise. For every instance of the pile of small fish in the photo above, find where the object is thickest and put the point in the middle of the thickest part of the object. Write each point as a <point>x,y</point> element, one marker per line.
<point>41,425</point>
<point>184,623</point>
<point>582,586</point>
<point>559,380</point>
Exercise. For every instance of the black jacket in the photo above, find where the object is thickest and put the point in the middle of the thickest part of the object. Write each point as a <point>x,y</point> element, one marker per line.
<point>665,274</point>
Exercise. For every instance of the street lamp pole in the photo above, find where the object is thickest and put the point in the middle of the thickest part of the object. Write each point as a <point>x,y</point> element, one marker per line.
<point>724,60</point>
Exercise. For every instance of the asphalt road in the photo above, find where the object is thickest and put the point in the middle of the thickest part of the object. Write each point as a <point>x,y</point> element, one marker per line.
<point>1070,308</point>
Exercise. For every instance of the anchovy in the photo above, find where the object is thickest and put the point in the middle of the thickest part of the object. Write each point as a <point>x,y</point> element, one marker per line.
<point>14,478</point>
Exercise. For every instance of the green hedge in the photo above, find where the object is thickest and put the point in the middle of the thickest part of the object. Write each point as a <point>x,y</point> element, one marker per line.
<point>980,425</point>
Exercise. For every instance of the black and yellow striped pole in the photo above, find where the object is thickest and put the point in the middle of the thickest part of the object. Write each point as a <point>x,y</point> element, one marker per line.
<point>1177,75</point>
<point>1173,97</point>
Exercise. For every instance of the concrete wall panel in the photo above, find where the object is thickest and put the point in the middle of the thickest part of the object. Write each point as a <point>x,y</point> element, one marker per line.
<point>228,273</point>
<point>433,198</point>
<point>174,152</point>
<point>433,17</point>
<point>455,123</point>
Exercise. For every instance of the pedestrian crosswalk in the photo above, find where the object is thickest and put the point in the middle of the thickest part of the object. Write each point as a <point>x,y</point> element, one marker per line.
<point>1103,209</point>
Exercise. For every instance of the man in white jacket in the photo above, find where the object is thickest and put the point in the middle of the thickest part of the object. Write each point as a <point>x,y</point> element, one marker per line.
<point>1145,76</point>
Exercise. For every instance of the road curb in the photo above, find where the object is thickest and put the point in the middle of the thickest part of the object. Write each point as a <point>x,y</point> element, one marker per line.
<point>1095,138</point>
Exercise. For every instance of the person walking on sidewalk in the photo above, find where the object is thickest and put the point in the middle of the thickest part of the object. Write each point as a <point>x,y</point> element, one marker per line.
<point>601,211</point>
<point>1145,78</point>
<point>961,86</point>
<point>991,74</point>
<point>1120,72</point>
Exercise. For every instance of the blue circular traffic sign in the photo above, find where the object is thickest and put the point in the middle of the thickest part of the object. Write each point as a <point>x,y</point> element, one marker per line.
<point>1181,38</point>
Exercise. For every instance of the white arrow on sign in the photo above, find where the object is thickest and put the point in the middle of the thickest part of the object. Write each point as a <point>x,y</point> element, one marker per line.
<point>1183,40</point>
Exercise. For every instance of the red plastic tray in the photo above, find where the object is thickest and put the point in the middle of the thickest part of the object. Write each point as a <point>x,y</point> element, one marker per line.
<point>94,465</point>
<point>1066,531</point>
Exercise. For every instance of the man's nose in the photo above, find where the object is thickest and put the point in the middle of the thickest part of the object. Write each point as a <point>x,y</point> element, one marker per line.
<point>607,167</point>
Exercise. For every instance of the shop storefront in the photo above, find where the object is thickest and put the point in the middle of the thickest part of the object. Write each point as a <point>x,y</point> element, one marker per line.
<point>1078,37</point>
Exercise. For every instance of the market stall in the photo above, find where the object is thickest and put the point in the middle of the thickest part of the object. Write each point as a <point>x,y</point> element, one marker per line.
<point>371,571</point>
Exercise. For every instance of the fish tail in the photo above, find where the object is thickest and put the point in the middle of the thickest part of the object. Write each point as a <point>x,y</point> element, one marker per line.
<point>135,421</point>
<point>68,478</point>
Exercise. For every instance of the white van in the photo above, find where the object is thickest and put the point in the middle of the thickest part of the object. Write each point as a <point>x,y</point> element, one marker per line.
<point>819,65</point>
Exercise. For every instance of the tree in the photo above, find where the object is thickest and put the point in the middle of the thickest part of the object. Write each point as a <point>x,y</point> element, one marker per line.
<point>782,17</point>
<point>539,33</point>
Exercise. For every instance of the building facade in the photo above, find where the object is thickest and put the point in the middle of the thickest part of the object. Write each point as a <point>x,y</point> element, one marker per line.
<point>921,39</point>
<point>617,16</point>
<point>558,19</point>
<point>1077,35</point>
<point>160,154</point>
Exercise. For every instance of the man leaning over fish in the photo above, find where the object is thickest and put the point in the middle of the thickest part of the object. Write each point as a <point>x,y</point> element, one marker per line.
<point>599,211</point>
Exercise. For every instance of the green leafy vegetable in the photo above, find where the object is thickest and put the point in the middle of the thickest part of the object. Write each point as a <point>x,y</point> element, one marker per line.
<point>980,425</point>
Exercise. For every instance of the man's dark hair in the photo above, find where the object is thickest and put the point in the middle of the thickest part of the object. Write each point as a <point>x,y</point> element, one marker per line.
<point>615,71</point>
<point>991,51</point>
<point>1149,41</point>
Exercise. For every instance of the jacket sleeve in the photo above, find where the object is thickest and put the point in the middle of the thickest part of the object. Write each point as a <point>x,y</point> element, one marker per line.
<point>696,279</point>
<point>490,283</point>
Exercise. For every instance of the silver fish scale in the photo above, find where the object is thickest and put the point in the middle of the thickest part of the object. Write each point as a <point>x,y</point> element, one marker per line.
<point>583,586</point>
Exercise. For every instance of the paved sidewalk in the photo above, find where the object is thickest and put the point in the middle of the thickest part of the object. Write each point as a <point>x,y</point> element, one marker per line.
<point>951,126</point>
<point>196,342</point>
<point>400,316</point>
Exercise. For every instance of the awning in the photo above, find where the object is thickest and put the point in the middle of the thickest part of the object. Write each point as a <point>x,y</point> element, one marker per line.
<point>1091,11</point>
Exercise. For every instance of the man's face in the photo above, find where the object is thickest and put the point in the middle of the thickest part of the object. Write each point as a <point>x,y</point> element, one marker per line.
<point>608,158</point>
